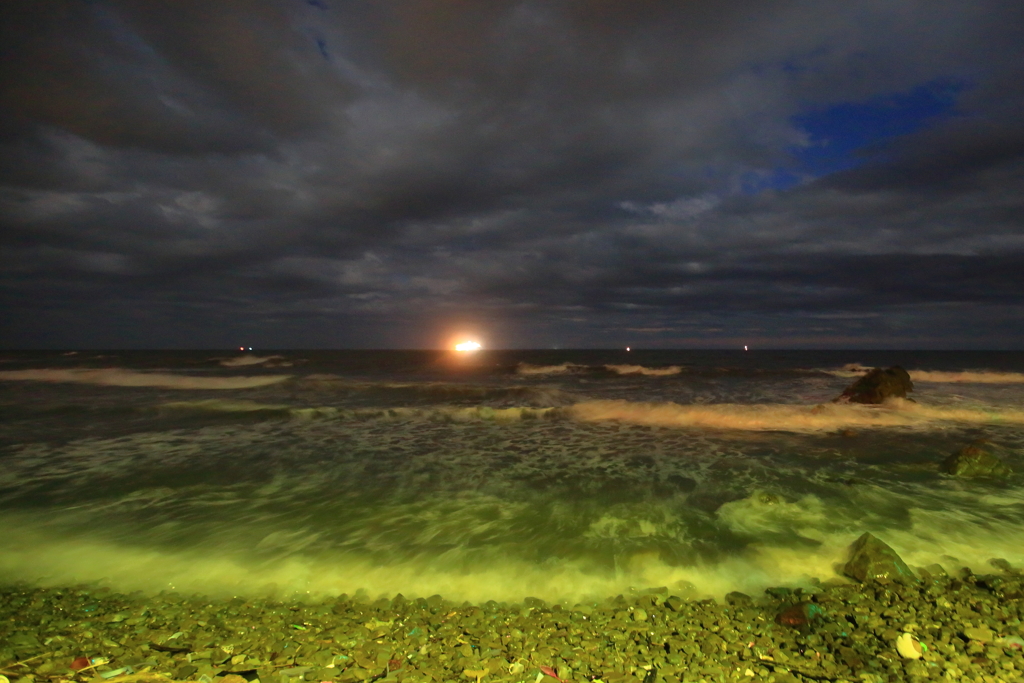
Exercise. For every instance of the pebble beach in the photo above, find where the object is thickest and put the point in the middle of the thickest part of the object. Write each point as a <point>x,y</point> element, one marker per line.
<point>964,627</point>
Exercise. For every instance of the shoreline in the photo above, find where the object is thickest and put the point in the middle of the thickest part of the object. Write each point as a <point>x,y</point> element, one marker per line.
<point>970,626</point>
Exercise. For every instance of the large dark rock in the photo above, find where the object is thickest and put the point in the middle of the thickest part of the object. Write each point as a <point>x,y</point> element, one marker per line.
<point>976,460</point>
<point>878,385</point>
<point>870,558</point>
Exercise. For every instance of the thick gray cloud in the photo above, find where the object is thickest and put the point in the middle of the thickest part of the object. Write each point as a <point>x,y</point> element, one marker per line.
<point>316,173</point>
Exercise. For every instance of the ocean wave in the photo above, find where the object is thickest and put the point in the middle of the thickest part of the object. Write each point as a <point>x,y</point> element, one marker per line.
<point>528,369</point>
<point>447,413</point>
<point>618,369</point>
<point>534,395</point>
<point>789,542</point>
<point>249,359</point>
<point>221,406</point>
<point>967,376</point>
<point>790,418</point>
<point>34,554</point>
<point>828,417</point>
<point>120,377</point>
<point>848,370</point>
<point>643,370</point>
<point>939,376</point>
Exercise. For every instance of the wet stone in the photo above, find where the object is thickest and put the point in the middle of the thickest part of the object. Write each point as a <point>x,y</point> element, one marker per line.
<point>878,385</point>
<point>871,558</point>
<point>185,672</point>
<point>979,459</point>
<point>737,598</point>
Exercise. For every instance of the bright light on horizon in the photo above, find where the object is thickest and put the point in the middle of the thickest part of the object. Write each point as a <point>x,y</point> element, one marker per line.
<point>468,346</point>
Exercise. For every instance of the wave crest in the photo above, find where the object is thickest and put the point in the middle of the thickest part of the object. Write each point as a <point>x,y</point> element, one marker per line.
<point>967,376</point>
<point>119,377</point>
<point>643,370</point>
<point>939,376</point>
<point>828,417</point>
<point>788,418</point>
<point>454,414</point>
<point>527,369</point>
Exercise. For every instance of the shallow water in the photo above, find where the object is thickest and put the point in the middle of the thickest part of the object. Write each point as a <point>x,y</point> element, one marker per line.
<point>561,475</point>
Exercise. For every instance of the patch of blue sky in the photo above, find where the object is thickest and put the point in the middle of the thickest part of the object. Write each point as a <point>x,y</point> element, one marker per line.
<point>756,182</point>
<point>841,136</point>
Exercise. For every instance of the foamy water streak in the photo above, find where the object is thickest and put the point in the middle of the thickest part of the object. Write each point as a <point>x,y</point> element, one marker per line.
<point>39,556</point>
<point>642,370</point>
<point>940,376</point>
<point>790,418</point>
<point>220,406</point>
<point>119,377</point>
<point>37,551</point>
<point>527,369</point>
<point>967,377</point>
<point>725,416</point>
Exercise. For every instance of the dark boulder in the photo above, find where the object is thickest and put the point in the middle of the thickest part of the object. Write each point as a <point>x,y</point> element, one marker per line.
<point>736,598</point>
<point>870,558</point>
<point>878,385</point>
<point>976,460</point>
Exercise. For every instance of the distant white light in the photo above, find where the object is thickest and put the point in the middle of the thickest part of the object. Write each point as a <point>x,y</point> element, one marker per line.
<point>468,346</point>
<point>744,347</point>
<point>627,348</point>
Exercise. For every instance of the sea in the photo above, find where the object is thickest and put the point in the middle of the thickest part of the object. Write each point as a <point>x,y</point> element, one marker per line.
<point>569,476</point>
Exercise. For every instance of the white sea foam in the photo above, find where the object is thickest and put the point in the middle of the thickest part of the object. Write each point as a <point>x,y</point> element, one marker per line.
<point>642,370</point>
<point>967,377</point>
<point>849,370</point>
<point>791,418</point>
<point>36,556</point>
<point>36,553</point>
<point>527,369</point>
<point>895,413</point>
<point>120,377</point>
<point>451,413</point>
<point>940,376</point>
<point>288,562</point>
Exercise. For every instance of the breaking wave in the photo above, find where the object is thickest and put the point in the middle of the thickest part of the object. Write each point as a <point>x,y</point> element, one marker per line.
<point>787,542</point>
<point>119,377</point>
<point>939,376</point>
<point>829,417</point>
<point>790,418</point>
<point>968,376</point>
<point>642,370</point>
<point>527,369</point>
<point>452,413</point>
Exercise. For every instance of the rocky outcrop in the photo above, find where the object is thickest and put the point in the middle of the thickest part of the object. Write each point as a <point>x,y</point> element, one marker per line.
<point>979,459</point>
<point>870,558</point>
<point>878,385</point>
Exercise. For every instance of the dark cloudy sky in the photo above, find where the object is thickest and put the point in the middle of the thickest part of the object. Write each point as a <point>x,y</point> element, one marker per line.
<point>590,173</point>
